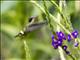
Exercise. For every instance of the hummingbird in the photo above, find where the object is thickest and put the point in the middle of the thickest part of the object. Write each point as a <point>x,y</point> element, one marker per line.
<point>31,26</point>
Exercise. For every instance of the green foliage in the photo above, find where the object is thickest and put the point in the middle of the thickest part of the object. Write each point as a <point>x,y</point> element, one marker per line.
<point>36,45</point>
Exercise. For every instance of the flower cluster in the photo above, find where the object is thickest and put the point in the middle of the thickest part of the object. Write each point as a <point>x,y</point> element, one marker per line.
<point>56,42</point>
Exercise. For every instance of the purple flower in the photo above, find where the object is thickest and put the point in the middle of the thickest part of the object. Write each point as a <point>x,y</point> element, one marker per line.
<point>64,47</point>
<point>61,35</point>
<point>59,42</point>
<point>67,52</point>
<point>54,41</point>
<point>69,37</point>
<point>54,44</point>
<point>75,34</point>
<point>52,37</point>
<point>76,44</point>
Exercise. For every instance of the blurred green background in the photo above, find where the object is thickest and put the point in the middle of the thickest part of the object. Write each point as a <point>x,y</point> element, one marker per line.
<point>15,15</point>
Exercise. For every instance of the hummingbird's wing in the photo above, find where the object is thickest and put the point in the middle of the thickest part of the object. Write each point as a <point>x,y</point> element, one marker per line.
<point>35,26</point>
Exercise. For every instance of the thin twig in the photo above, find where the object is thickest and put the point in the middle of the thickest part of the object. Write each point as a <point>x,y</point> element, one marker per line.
<point>72,57</point>
<point>28,57</point>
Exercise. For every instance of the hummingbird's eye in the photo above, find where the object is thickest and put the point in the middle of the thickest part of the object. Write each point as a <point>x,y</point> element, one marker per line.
<point>31,18</point>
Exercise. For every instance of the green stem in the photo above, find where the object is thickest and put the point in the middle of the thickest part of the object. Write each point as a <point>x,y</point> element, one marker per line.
<point>72,57</point>
<point>58,8</point>
<point>68,23</point>
<point>26,50</point>
<point>51,16</point>
<point>47,14</point>
<point>61,53</point>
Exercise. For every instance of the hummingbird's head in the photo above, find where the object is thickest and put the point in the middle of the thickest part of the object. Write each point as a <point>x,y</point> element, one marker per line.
<point>32,19</point>
<point>21,33</point>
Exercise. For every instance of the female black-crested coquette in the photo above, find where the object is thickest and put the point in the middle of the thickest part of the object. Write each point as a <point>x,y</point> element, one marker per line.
<point>32,26</point>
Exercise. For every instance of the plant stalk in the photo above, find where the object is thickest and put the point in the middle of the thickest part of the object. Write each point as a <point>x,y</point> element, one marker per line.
<point>27,52</point>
